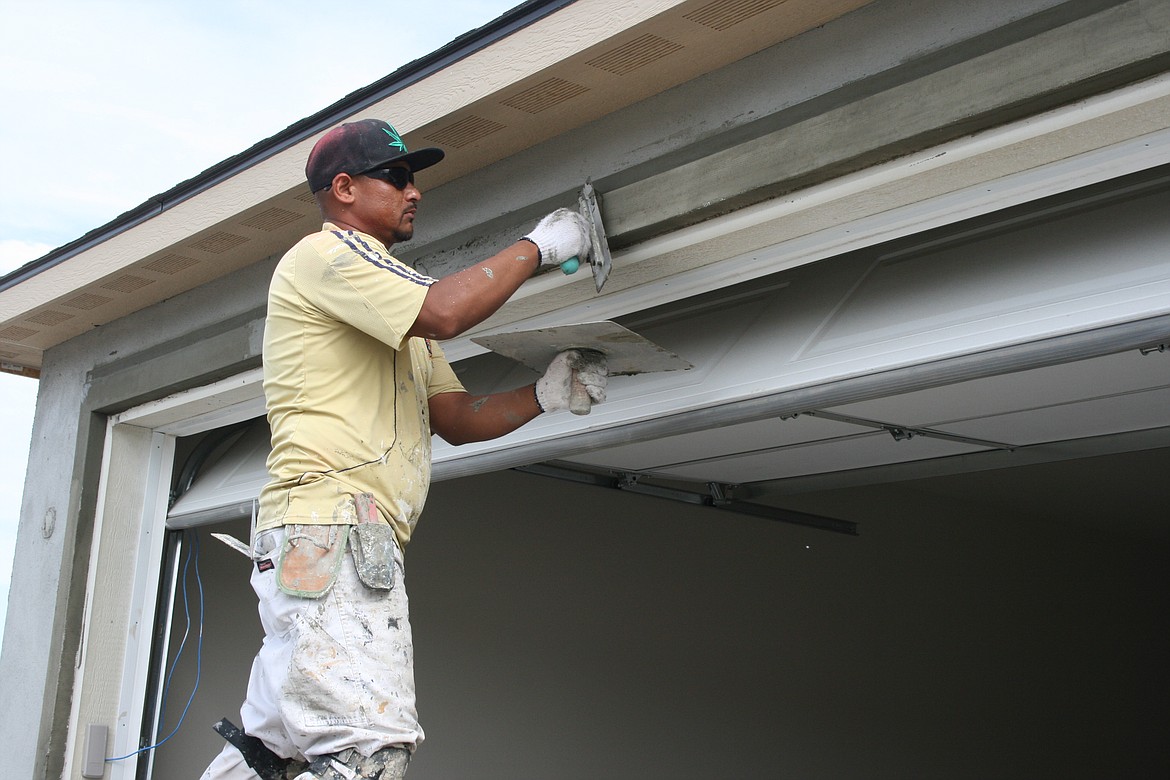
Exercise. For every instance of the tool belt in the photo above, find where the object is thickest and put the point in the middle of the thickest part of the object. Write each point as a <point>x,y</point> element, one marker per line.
<point>311,555</point>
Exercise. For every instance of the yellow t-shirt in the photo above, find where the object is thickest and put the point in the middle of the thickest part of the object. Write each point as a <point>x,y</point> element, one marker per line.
<point>346,390</point>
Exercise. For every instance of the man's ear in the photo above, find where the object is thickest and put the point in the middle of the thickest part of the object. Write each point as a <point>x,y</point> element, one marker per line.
<point>342,188</point>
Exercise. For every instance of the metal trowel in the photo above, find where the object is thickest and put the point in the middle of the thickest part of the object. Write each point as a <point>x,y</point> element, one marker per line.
<point>599,258</point>
<point>625,352</point>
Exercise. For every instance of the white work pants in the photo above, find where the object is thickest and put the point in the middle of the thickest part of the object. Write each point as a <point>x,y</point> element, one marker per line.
<point>334,672</point>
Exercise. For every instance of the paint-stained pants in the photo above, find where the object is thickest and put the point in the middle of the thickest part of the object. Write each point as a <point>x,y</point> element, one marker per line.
<point>333,673</point>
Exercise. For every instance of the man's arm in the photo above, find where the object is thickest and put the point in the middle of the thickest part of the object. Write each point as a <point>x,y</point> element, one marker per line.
<point>461,418</point>
<point>462,300</point>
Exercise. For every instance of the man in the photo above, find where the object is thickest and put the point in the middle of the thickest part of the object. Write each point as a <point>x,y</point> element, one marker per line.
<point>355,384</point>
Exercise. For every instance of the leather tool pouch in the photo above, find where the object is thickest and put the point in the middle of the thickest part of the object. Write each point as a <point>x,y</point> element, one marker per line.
<point>372,544</point>
<point>310,559</point>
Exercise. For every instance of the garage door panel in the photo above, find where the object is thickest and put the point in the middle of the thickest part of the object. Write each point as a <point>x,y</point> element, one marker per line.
<point>1007,393</point>
<point>851,452</point>
<point>1023,278</point>
<point>870,315</point>
<point>231,477</point>
<point>866,314</point>
<point>719,442</point>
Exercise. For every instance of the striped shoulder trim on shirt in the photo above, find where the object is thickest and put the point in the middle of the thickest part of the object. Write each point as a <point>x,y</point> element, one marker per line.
<point>374,257</point>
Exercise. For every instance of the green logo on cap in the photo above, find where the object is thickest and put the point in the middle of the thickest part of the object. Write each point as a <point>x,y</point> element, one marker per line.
<point>396,141</point>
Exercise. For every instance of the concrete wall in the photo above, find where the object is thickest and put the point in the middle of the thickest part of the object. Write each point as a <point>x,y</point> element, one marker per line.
<point>574,632</point>
<point>186,341</point>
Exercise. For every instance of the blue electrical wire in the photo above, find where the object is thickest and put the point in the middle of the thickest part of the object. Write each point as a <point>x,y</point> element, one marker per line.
<point>198,652</point>
<point>186,633</point>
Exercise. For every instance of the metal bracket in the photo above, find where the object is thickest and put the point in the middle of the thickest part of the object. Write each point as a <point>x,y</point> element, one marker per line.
<point>718,496</point>
<point>904,433</point>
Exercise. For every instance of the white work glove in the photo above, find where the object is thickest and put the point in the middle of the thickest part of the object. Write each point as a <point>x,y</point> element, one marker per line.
<point>554,389</point>
<point>559,236</point>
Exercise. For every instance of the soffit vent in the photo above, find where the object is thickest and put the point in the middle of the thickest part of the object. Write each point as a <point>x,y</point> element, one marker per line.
<point>721,15</point>
<point>633,55</point>
<point>272,219</point>
<point>86,301</point>
<point>545,95</point>
<point>49,318</point>
<point>306,196</point>
<point>17,333</point>
<point>218,243</point>
<point>170,264</point>
<point>464,132</point>
<point>126,284</point>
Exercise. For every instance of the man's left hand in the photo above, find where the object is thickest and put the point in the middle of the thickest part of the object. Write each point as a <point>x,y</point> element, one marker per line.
<point>555,387</point>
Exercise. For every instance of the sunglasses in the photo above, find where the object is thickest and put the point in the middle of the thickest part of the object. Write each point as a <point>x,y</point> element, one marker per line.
<point>398,177</point>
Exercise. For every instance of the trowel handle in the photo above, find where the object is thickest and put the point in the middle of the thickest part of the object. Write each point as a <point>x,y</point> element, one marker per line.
<point>579,400</point>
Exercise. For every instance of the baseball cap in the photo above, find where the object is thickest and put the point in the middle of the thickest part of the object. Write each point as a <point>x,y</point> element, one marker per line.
<point>357,147</point>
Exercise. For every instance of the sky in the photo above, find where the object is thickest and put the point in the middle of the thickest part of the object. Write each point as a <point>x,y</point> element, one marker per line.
<point>110,102</point>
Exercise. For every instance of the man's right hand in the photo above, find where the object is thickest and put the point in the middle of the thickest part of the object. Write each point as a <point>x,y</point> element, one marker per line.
<point>559,236</point>
<point>466,298</point>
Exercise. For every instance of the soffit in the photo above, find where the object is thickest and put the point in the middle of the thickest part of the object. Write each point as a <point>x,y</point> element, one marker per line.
<point>580,63</point>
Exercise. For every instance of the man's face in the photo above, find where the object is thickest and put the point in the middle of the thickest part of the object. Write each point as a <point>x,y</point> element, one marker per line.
<point>385,211</point>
